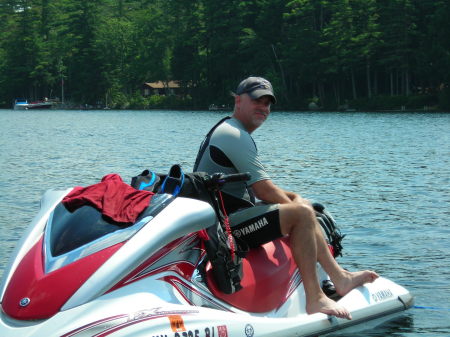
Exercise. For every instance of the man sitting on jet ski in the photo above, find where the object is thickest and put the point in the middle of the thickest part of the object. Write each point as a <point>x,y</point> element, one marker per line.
<point>230,148</point>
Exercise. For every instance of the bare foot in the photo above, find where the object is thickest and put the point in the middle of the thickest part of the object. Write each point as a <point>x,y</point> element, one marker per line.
<point>328,307</point>
<point>350,280</point>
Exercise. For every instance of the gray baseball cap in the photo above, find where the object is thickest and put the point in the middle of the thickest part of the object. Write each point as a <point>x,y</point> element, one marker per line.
<point>256,87</point>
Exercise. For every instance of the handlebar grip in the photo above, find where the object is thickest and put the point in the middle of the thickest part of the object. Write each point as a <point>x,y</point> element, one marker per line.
<point>228,178</point>
<point>217,180</point>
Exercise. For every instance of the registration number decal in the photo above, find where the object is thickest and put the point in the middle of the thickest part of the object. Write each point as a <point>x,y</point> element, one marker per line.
<point>219,331</point>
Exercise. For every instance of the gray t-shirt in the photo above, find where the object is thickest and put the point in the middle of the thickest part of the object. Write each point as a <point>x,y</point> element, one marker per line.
<point>232,149</point>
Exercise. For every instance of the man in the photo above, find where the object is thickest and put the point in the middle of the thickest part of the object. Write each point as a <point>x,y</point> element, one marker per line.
<point>229,148</point>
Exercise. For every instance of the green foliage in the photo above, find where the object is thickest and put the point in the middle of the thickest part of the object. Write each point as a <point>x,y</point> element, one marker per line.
<point>422,102</point>
<point>416,102</point>
<point>138,102</point>
<point>370,52</point>
<point>444,99</point>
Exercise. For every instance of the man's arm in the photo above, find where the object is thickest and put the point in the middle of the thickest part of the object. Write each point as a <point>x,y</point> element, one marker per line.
<point>267,191</point>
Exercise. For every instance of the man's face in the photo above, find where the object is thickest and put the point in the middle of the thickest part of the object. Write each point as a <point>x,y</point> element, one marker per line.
<point>252,112</point>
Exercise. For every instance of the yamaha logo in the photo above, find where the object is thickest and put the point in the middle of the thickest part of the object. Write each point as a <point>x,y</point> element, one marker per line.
<point>24,302</point>
<point>249,229</point>
<point>237,233</point>
<point>249,331</point>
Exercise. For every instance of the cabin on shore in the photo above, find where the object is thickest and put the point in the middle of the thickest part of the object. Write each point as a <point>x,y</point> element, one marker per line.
<point>161,88</point>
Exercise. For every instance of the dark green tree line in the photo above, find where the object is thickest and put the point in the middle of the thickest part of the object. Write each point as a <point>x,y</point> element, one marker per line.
<point>332,52</point>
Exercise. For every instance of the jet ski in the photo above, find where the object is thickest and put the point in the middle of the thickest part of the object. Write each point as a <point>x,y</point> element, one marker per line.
<point>78,273</point>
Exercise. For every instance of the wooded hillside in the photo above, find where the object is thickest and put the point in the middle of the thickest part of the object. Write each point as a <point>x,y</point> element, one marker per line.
<point>364,53</point>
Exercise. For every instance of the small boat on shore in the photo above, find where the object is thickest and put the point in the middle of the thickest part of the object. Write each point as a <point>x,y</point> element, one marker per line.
<point>23,104</point>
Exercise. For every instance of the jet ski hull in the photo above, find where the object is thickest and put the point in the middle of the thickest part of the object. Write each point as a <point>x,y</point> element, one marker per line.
<point>150,283</point>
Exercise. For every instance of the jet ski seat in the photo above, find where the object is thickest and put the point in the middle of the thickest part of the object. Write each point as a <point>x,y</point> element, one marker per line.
<point>268,274</point>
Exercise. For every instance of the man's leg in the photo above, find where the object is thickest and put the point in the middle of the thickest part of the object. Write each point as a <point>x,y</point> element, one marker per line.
<point>308,246</point>
<point>303,241</point>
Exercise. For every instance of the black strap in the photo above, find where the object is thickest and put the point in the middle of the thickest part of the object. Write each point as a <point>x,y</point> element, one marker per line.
<point>205,143</point>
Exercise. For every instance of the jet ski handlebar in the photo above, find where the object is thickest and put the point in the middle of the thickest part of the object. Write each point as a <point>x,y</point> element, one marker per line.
<point>217,180</point>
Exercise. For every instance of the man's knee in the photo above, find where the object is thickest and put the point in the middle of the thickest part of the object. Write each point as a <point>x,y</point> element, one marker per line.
<point>296,215</point>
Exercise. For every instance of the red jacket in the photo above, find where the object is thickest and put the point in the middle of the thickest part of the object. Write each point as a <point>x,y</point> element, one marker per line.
<point>112,197</point>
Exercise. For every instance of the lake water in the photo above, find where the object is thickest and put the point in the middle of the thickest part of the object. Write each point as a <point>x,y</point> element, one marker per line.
<point>384,176</point>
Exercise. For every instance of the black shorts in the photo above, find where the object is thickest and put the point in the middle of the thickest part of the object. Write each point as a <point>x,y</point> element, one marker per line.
<point>256,225</point>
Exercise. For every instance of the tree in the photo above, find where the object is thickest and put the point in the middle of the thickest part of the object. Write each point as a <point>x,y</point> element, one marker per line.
<point>334,50</point>
<point>367,36</point>
<point>187,63</point>
<point>340,37</point>
<point>83,64</point>
<point>21,49</point>
<point>304,22</point>
<point>396,55</point>
<point>261,43</point>
<point>433,29</point>
<point>152,44</point>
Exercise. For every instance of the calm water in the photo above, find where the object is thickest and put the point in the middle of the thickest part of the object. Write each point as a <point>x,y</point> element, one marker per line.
<point>385,177</point>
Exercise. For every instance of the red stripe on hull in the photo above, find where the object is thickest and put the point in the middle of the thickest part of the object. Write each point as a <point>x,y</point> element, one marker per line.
<point>47,293</point>
<point>179,266</point>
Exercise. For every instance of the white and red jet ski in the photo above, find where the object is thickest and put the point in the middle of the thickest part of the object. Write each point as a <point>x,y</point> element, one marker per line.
<point>76,274</point>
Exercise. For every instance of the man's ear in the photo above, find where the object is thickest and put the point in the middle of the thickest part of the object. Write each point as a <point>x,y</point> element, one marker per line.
<point>237,102</point>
